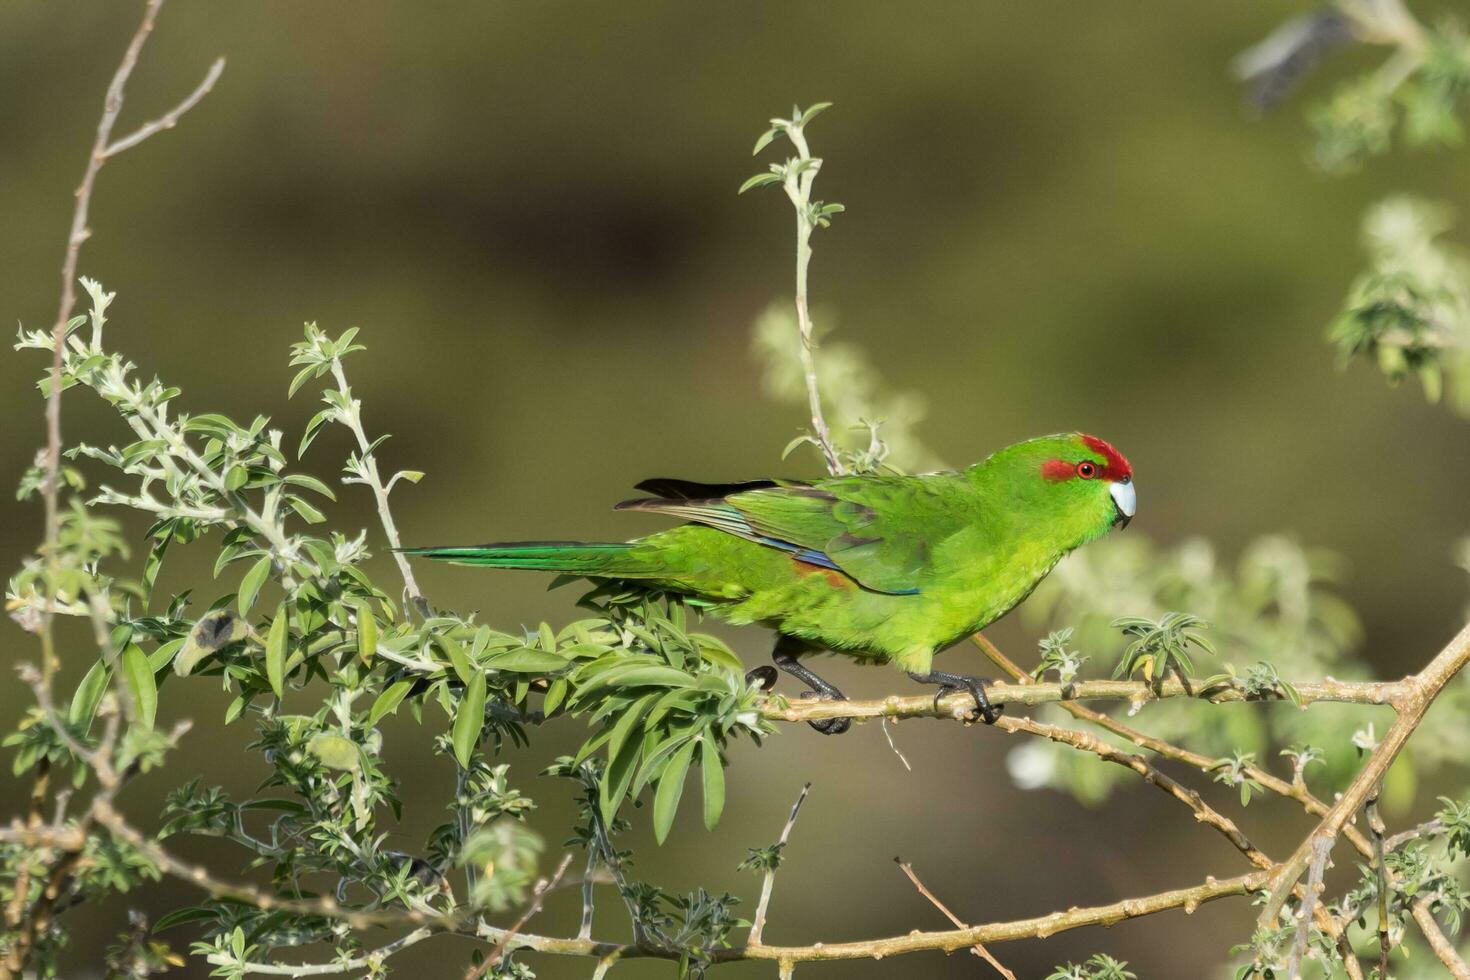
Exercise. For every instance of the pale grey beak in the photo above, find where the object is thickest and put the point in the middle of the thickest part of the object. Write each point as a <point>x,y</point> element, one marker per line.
<point>1125,499</point>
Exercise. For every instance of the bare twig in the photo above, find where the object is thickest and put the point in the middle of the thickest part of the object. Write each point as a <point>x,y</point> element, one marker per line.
<point>103,149</point>
<point>584,931</point>
<point>1309,906</point>
<point>1380,870</point>
<point>1087,742</point>
<point>768,883</point>
<point>979,948</point>
<point>171,118</point>
<point>1189,899</point>
<point>1438,942</point>
<point>961,706</point>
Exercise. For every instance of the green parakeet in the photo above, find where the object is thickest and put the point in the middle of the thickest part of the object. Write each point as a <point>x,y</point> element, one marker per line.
<point>882,568</point>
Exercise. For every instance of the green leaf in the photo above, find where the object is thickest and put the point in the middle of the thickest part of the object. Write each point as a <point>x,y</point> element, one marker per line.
<point>88,695</point>
<point>469,718</point>
<point>638,676</point>
<point>164,655</point>
<point>235,708</point>
<point>555,694</point>
<point>251,583</point>
<point>212,424</point>
<point>670,789</point>
<point>617,778</point>
<point>153,563</point>
<point>625,725</point>
<point>367,632</point>
<point>526,661</point>
<point>311,483</point>
<point>301,378</point>
<point>387,702</point>
<point>275,651</point>
<point>714,779</point>
<point>813,112</point>
<point>141,686</point>
<point>764,140</point>
<point>313,428</point>
<point>335,751</point>
<point>457,658</point>
<point>308,513</point>
<point>236,477</point>
<point>759,180</point>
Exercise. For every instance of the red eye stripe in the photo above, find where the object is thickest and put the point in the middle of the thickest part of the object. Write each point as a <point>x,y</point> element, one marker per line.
<point>1117,467</point>
<point>1057,470</point>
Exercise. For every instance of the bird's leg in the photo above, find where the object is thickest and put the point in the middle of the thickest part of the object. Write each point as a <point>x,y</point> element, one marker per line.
<point>785,656</point>
<point>984,710</point>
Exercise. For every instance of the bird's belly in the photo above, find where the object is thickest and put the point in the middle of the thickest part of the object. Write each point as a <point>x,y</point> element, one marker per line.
<point>883,626</point>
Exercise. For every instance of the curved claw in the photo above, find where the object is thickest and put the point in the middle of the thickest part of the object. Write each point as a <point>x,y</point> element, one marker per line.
<point>764,675</point>
<point>987,712</point>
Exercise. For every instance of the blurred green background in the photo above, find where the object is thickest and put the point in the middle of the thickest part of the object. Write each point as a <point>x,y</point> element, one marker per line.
<point>1059,216</point>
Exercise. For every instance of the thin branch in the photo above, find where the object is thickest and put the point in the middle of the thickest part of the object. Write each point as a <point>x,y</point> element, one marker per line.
<point>1087,742</point>
<point>374,482</point>
<point>367,960</point>
<point>1380,869</point>
<point>584,931</point>
<point>1188,899</point>
<point>1438,942</point>
<point>201,878</point>
<point>768,883</point>
<point>979,948</point>
<point>961,706</point>
<point>169,119</point>
<point>1309,906</point>
<point>102,150</point>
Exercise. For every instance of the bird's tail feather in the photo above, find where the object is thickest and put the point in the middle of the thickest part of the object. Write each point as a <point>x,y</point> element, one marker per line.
<point>574,557</point>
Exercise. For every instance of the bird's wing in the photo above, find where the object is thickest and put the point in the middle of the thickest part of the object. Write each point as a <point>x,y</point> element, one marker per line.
<point>878,530</point>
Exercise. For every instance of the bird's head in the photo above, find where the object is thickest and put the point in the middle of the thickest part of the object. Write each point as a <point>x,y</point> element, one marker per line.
<point>1078,483</point>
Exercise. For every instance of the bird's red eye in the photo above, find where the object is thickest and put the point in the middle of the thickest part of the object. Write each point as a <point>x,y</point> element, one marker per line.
<point>1086,469</point>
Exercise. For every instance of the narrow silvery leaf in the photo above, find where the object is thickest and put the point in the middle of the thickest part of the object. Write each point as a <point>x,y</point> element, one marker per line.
<point>141,687</point>
<point>367,632</point>
<point>670,789</point>
<point>251,583</point>
<point>469,718</point>
<point>714,779</point>
<point>275,651</point>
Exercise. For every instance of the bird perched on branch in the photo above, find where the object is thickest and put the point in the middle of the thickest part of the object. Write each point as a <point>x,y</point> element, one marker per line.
<point>891,569</point>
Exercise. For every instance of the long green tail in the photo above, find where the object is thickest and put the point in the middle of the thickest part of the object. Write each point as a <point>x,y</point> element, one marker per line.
<point>575,557</point>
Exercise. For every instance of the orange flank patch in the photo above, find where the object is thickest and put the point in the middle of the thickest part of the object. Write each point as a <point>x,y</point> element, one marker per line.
<point>834,578</point>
